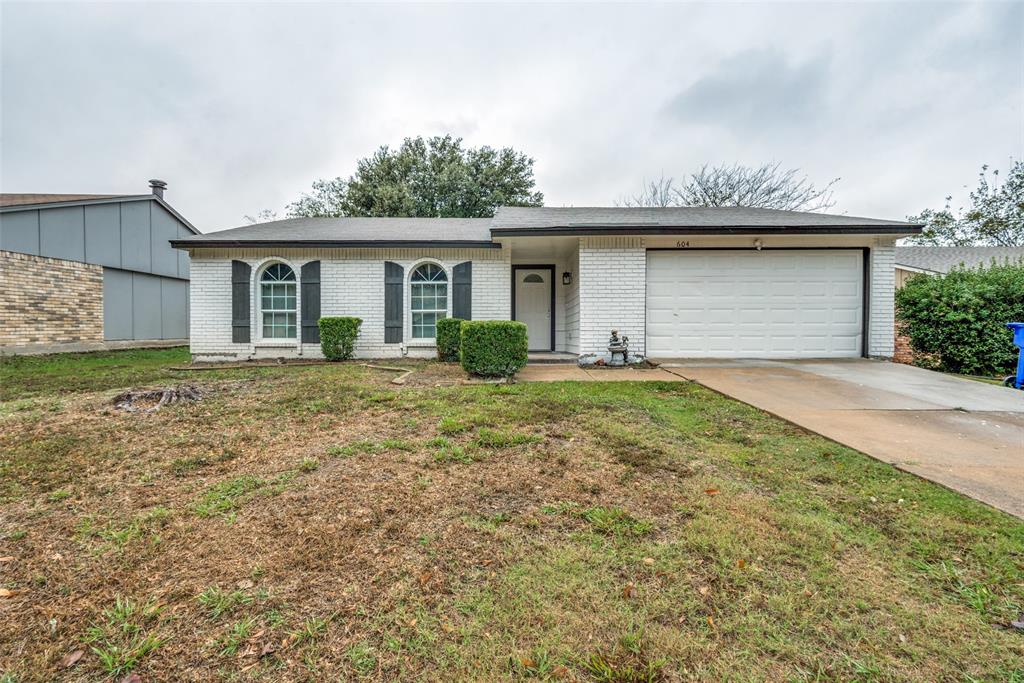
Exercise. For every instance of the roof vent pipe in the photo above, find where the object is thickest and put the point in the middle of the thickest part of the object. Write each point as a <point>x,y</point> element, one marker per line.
<point>158,187</point>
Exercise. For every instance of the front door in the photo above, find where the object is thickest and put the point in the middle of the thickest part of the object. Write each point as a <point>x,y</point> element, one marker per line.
<point>533,305</point>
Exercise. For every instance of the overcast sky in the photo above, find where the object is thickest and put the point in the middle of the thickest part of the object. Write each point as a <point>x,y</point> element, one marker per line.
<point>239,107</point>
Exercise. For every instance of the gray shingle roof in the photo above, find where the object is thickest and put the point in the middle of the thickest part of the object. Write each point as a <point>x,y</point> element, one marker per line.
<point>351,232</point>
<point>369,232</point>
<point>514,218</point>
<point>944,259</point>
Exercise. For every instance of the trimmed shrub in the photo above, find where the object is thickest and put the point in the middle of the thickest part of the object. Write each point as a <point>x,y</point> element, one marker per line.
<point>493,348</point>
<point>961,318</point>
<point>449,339</point>
<point>338,337</point>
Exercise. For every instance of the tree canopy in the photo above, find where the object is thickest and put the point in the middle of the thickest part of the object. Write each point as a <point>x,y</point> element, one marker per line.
<point>995,216</point>
<point>768,186</point>
<point>435,177</point>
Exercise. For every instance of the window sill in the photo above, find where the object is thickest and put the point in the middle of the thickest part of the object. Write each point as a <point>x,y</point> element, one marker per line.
<point>422,343</point>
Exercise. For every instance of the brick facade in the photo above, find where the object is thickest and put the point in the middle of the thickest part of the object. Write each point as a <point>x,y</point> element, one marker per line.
<point>50,300</point>
<point>352,284</point>
<point>612,292</point>
<point>882,304</point>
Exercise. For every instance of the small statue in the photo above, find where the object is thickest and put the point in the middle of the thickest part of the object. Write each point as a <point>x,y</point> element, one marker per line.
<point>618,347</point>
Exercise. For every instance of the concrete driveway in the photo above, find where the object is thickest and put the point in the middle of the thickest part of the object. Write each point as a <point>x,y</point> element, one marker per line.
<point>963,434</point>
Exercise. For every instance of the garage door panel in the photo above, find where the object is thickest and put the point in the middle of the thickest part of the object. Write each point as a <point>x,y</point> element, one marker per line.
<point>777,303</point>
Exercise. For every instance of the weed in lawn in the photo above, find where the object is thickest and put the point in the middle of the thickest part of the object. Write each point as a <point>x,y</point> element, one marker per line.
<point>537,664</point>
<point>397,445</point>
<point>126,635</point>
<point>493,438</point>
<point>16,535</point>
<point>273,618</point>
<point>237,633</point>
<point>227,497</point>
<point>451,426</point>
<point>606,668</point>
<point>562,507</point>
<point>310,630</point>
<point>117,537</point>
<point>219,602</point>
<point>362,659</point>
<point>447,451</point>
<point>489,523</point>
<point>612,520</point>
<point>309,465</point>
<point>58,495</point>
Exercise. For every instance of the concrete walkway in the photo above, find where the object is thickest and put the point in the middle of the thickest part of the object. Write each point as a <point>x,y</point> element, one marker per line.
<point>963,434</point>
<point>571,372</point>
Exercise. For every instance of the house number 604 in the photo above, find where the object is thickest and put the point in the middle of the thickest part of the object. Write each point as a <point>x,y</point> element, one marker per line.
<point>682,243</point>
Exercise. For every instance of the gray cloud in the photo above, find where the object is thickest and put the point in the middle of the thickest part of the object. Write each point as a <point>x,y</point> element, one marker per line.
<point>241,106</point>
<point>757,87</point>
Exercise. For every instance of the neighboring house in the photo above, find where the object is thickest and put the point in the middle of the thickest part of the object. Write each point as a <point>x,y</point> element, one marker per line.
<point>86,272</point>
<point>679,282</point>
<point>911,261</point>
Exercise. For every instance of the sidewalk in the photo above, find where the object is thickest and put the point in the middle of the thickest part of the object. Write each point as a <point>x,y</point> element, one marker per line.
<point>574,373</point>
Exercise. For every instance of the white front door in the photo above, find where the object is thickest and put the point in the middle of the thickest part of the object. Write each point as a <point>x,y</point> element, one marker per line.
<point>533,306</point>
<point>755,304</point>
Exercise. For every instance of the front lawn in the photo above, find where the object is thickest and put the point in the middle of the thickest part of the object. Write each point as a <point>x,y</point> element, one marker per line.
<point>319,523</point>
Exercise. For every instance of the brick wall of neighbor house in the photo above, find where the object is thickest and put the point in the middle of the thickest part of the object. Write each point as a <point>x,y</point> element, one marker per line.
<point>612,292</point>
<point>882,322</point>
<point>50,300</point>
<point>351,284</point>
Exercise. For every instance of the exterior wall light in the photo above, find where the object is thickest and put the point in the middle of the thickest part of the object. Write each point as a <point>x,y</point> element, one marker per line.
<point>566,278</point>
<point>758,244</point>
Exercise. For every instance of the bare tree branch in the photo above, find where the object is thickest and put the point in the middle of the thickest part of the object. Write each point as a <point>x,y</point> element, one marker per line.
<point>767,186</point>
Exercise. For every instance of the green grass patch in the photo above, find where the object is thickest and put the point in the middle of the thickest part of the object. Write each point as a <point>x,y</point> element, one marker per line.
<point>125,635</point>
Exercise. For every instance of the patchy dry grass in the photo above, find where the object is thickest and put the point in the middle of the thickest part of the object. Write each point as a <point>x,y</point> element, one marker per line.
<point>318,523</point>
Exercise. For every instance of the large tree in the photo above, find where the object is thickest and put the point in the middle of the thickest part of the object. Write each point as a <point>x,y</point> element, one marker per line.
<point>434,177</point>
<point>768,186</point>
<point>994,218</point>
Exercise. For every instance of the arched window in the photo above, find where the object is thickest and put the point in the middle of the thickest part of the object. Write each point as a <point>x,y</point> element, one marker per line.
<point>429,297</point>
<point>277,302</point>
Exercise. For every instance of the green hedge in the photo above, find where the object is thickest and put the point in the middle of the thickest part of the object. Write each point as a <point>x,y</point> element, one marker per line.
<point>961,318</point>
<point>338,337</point>
<point>449,338</point>
<point>493,348</point>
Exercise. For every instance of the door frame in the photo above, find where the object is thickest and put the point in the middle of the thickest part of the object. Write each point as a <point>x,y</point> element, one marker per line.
<point>550,267</point>
<point>865,321</point>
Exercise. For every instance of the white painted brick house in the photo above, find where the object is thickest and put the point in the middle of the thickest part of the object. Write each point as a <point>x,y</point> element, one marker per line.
<point>679,282</point>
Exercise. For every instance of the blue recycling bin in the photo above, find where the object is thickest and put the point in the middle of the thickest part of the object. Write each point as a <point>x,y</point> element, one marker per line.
<point>1018,339</point>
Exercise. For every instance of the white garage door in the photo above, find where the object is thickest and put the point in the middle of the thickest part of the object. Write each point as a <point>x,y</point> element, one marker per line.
<point>754,304</point>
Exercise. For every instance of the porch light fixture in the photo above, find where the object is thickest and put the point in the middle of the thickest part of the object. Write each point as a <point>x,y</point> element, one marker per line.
<point>566,278</point>
<point>758,244</point>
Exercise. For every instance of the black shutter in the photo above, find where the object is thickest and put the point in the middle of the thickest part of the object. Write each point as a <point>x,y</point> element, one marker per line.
<point>462,291</point>
<point>394,282</point>
<point>311,302</point>
<point>240,273</point>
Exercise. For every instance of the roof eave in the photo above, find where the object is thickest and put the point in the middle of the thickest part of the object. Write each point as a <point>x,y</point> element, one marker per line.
<point>336,244</point>
<point>893,230</point>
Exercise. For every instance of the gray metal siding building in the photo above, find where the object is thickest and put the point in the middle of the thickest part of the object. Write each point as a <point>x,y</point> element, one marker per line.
<point>125,240</point>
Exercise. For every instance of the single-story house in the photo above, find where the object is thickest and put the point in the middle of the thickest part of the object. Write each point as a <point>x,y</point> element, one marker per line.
<point>679,282</point>
<point>912,261</point>
<point>83,272</point>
